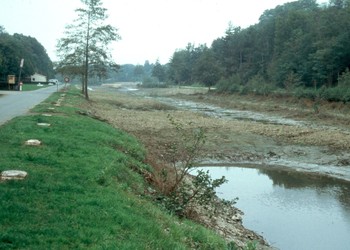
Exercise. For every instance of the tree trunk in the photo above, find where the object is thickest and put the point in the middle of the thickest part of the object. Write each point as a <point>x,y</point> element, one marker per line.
<point>86,73</point>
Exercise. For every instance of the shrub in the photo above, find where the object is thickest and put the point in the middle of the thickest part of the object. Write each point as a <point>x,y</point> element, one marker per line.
<point>344,79</point>
<point>335,94</point>
<point>259,86</point>
<point>306,93</point>
<point>151,82</point>
<point>230,85</point>
<point>182,190</point>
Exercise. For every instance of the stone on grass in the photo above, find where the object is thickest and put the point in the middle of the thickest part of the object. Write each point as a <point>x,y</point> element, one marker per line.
<point>43,124</point>
<point>33,142</point>
<point>13,175</point>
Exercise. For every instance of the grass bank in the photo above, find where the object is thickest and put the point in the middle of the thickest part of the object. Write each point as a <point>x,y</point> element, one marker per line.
<point>82,190</point>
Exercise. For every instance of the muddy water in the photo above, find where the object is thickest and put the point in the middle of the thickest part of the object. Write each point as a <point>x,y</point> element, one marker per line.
<point>290,210</point>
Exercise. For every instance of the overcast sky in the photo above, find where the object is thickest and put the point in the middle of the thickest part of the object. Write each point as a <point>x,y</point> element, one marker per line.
<point>150,29</point>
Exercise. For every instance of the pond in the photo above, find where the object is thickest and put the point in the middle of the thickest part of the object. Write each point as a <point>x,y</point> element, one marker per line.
<point>290,210</point>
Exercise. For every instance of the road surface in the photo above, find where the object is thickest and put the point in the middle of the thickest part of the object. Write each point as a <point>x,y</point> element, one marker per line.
<point>17,103</point>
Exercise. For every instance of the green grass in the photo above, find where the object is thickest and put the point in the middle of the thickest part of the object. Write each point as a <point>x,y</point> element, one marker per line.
<point>82,191</point>
<point>31,87</point>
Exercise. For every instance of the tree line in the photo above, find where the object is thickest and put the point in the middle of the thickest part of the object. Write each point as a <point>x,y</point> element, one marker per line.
<point>15,47</point>
<point>298,44</point>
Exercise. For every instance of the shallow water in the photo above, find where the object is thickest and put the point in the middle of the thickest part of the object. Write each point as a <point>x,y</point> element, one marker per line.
<point>290,210</point>
<point>233,114</point>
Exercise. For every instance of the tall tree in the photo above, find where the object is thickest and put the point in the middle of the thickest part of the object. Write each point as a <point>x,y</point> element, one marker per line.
<point>159,71</point>
<point>206,69</point>
<point>85,46</point>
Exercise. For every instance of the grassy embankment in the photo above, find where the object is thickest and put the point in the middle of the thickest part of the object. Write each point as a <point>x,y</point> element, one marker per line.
<point>82,190</point>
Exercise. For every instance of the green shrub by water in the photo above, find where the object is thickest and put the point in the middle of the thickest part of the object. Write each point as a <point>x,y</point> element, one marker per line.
<point>82,190</point>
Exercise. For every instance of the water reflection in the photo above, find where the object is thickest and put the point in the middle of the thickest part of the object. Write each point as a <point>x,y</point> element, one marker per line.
<point>290,209</point>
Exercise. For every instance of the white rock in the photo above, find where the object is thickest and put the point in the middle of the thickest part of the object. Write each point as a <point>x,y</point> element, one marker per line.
<point>13,174</point>
<point>42,124</point>
<point>33,142</point>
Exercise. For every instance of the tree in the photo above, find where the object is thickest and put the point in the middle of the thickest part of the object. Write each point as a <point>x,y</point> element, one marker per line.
<point>15,47</point>
<point>139,72</point>
<point>206,69</point>
<point>85,46</point>
<point>2,29</point>
<point>179,70</point>
<point>159,72</point>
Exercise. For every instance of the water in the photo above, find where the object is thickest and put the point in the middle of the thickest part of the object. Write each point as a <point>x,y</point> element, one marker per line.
<point>291,210</point>
<point>232,114</point>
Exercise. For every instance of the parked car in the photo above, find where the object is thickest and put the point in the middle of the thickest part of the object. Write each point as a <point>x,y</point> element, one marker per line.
<point>55,81</point>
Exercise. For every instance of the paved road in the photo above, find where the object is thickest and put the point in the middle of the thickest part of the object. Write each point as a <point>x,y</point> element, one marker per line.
<point>17,103</point>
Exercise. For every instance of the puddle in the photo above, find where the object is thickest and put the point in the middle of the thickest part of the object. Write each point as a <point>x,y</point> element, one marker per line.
<point>291,210</point>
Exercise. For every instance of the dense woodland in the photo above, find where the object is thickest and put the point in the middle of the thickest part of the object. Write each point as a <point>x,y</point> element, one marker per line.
<point>300,48</point>
<point>298,44</point>
<point>15,47</point>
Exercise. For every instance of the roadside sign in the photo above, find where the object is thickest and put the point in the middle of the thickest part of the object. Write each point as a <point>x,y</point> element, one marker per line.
<point>66,79</point>
<point>11,79</point>
<point>22,62</point>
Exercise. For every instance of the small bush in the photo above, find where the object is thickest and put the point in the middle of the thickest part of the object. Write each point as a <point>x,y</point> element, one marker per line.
<point>306,93</point>
<point>151,82</point>
<point>230,85</point>
<point>336,94</point>
<point>259,86</point>
<point>344,79</point>
<point>182,190</point>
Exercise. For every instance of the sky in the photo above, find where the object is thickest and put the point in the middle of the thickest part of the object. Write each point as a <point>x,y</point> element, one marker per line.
<point>149,29</point>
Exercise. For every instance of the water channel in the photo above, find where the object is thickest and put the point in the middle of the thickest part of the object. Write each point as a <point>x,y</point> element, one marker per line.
<point>291,210</point>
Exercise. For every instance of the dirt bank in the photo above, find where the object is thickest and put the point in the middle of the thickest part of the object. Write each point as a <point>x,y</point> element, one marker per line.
<point>318,145</point>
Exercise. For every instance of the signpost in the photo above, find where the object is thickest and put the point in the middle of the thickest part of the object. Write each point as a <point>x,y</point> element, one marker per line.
<point>66,80</point>
<point>20,72</point>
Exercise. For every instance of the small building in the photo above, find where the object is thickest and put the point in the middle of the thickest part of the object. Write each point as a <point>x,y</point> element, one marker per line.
<point>38,78</point>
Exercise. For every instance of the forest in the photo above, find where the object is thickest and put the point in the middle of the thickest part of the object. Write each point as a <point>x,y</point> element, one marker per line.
<point>17,46</point>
